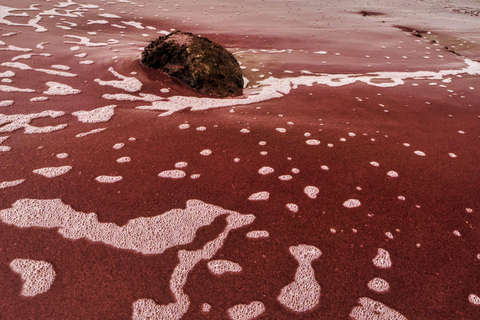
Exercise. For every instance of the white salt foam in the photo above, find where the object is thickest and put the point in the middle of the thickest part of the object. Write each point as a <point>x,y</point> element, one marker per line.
<point>129,84</point>
<point>62,155</point>
<point>147,308</point>
<point>382,259</point>
<point>246,311</point>
<point>206,307</point>
<point>124,159</point>
<point>181,164</point>
<point>6,103</point>
<point>38,99</point>
<point>102,114</point>
<point>60,89</point>
<point>206,152</point>
<point>83,134</point>
<point>84,41</point>
<point>18,121</point>
<point>7,184</point>
<point>219,267</point>
<point>285,177</point>
<point>118,146</point>
<point>392,174</point>
<point>370,309</point>
<point>263,195</point>
<point>38,276</point>
<point>257,234</point>
<point>474,299</point>
<point>292,207</point>
<point>313,142</point>
<point>108,179</point>
<point>419,153</point>
<point>303,294</point>
<point>52,172</point>
<point>172,174</point>
<point>265,170</point>
<point>23,66</point>
<point>378,285</point>
<point>311,192</point>
<point>5,88</point>
<point>352,203</point>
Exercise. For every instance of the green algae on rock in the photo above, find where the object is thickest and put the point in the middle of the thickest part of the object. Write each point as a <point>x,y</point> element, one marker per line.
<point>196,61</point>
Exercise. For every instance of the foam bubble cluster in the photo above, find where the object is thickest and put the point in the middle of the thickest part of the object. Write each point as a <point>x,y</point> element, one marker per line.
<point>257,234</point>
<point>303,294</point>
<point>83,134</point>
<point>59,89</point>
<point>474,299</point>
<point>18,121</point>
<point>219,267</point>
<point>262,195</point>
<point>7,184</point>
<point>38,276</point>
<point>52,172</point>
<point>108,179</point>
<point>378,285</point>
<point>370,309</point>
<point>311,192</point>
<point>246,311</point>
<point>392,174</point>
<point>172,174</point>
<point>352,203</point>
<point>382,259</point>
<point>124,160</point>
<point>102,114</point>
<point>129,84</point>
<point>265,170</point>
<point>312,142</point>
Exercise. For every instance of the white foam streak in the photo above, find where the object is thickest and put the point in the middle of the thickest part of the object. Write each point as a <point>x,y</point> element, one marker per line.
<point>370,309</point>
<point>37,275</point>
<point>129,84</point>
<point>102,114</point>
<point>52,172</point>
<point>7,184</point>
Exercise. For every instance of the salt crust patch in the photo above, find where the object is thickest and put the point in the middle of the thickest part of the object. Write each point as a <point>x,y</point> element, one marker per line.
<point>311,192</point>
<point>124,159</point>
<point>38,276</point>
<point>7,184</point>
<point>5,88</point>
<point>474,299</point>
<point>108,179</point>
<point>378,285</point>
<point>271,88</point>
<point>84,41</point>
<point>52,172</point>
<point>352,203</point>
<point>59,89</point>
<point>102,114</point>
<point>303,294</point>
<point>147,308</point>
<point>370,309</point>
<point>18,121</point>
<point>83,134</point>
<point>263,195</point>
<point>382,259</point>
<point>265,170</point>
<point>219,267</point>
<point>6,103</point>
<point>246,311</point>
<point>257,234</point>
<point>172,174</point>
<point>129,84</point>
<point>23,66</point>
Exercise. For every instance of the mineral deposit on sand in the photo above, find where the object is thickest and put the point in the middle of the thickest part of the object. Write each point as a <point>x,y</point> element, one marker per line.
<point>341,183</point>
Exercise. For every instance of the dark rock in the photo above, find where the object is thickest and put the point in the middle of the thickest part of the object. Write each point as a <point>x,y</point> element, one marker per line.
<point>196,61</point>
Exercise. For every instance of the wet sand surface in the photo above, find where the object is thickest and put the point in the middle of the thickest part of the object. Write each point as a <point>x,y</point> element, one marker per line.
<point>342,184</point>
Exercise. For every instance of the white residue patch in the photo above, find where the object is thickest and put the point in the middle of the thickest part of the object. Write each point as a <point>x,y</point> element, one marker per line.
<point>352,203</point>
<point>18,121</point>
<point>292,207</point>
<point>124,159</point>
<point>102,114</point>
<point>392,174</point>
<point>181,164</point>
<point>219,267</point>
<point>172,174</point>
<point>285,177</point>
<point>265,170</point>
<point>37,275</point>
<point>263,195</point>
<point>62,155</point>
<point>378,285</point>
<point>206,152</point>
<point>108,179</point>
<point>375,164</point>
<point>5,88</point>
<point>83,134</point>
<point>118,146</point>
<point>382,259</point>
<point>52,172</point>
<point>23,66</point>
<point>6,103</point>
<point>474,299</point>
<point>419,153</point>
<point>7,184</point>
<point>312,142</point>
<point>129,84</point>
<point>303,293</point>
<point>370,309</point>
<point>311,191</point>
<point>59,89</point>
<point>38,99</point>
<point>60,67</point>
<point>246,311</point>
<point>108,15</point>
<point>84,41</point>
<point>257,234</point>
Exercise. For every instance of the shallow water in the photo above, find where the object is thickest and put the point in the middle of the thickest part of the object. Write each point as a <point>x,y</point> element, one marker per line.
<point>343,182</point>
